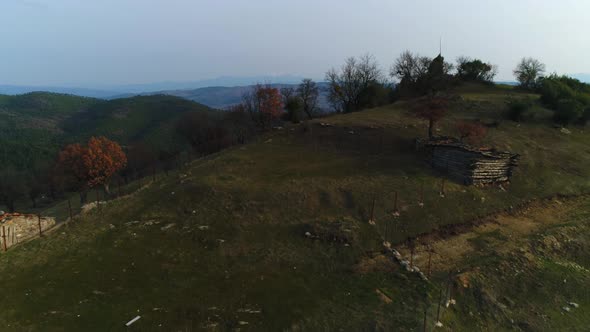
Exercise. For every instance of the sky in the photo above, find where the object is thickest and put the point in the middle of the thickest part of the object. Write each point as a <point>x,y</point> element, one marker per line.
<point>110,42</point>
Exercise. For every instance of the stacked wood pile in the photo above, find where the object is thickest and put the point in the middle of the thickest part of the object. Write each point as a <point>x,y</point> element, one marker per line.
<point>470,165</point>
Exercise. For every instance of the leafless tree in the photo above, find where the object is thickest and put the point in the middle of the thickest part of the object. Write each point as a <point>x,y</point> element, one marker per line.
<point>347,85</point>
<point>308,93</point>
<point>410,67</point>
<point>528,71</point>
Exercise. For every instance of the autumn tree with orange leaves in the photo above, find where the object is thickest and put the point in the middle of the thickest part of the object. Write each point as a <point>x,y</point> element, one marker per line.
<point>471,131</point>
<point>432,109</point>
<point>264,104</point>
<point>94,164</point>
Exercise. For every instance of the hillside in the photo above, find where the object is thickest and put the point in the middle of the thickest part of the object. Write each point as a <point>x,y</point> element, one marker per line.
<point>34,126</point>
<point>222,244</point>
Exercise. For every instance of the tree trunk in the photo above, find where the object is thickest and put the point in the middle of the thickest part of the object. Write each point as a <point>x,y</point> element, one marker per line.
<point>430,128</point>
<point>107,190</point>
<point>83,196</point>
<point>34,201</point>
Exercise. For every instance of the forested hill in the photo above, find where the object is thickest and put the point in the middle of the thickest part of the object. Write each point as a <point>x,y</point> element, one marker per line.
<point>34,126</point>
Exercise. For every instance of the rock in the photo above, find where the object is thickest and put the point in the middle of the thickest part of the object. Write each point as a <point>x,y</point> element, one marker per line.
<point>566,308</point>
<point>307,234</point>
<point>565,131</point>
<point>573,304</point>
<point>438,324</point>
<point>386,299</point>
<point>203,227</point>
<point>167,227</point>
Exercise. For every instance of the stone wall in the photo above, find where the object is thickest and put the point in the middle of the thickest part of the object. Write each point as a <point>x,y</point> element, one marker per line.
<point>16,228</point>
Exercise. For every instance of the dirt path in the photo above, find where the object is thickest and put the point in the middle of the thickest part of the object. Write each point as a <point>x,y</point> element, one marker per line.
<point>501,233</point>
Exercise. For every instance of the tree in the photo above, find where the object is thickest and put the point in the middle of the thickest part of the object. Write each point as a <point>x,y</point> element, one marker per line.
<point>410,67</point>
<point>347,85</point>
<point>431,109</point>
<point>70,161</point>
<point>103,158</point>
<point>528,71</point>
<point>264,104</point>
<point>472,131</point>
<point>475,70</point>
<point>309,93</point>
<point>292,104</point>
<point>11,187</point>
<point>94,164</point>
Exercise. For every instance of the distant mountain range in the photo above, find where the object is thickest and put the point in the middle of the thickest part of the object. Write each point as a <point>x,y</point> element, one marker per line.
<point>582,77</point>
<point>221,97</point>
<point>116,91</point>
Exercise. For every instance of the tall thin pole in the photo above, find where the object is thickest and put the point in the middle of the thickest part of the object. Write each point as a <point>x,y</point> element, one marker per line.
<point>4,237</point>
<point>39,222</point>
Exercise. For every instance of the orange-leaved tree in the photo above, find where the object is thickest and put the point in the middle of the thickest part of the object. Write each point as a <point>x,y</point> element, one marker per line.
<point>471,131</point>
<point>94,164</point>
<point>432,109</point>
<point>102,159</point>
<point>264,104</point>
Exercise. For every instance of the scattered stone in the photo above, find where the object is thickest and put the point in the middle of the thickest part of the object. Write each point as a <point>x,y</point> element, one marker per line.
<point>573,304</point>
<point>203,227</point>
<point>112,226</point>
<point>438,324</point>
<point>220,241</point>
<point>307,234</point>
<point>383,297</point>
<point>243,322</point>
<point>565,131</point>
<point>167,227</point>
<point>566,308</point>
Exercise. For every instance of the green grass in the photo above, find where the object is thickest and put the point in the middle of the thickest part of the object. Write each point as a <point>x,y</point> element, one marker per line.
<point>256,200</point>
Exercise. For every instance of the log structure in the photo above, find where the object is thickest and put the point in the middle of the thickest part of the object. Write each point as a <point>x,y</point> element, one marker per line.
<point>467,164</point>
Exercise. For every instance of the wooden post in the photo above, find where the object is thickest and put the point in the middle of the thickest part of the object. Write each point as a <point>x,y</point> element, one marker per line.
<point>119,187</point>
<point>39,222</point>
<point>395,209</point>
<point>442,188</point>
<point>438,310</point>
<point>70,208</point>
<point>97,200</point>
<point>4,237</point>
<point>421,203</point>
<point>429,260</point>
<point>425,313</point>
<point>373,210</point>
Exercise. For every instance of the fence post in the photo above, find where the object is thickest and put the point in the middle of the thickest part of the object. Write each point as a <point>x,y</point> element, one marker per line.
<point>421,203</point>
<point>425,313</point>
<point>70,208</point>
<point>442,188</point>
<point>119,187</point>
<point>39,222</point>
<point>438,310</point>
<point>372,220</point>
<point>97,200</point>
<point>4,237</point>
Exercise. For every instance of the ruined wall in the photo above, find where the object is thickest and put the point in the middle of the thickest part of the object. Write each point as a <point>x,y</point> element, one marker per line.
<point>472,167</point>
<point>16,228</point>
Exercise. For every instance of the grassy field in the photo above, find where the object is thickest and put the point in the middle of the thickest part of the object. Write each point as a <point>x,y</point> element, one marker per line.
<point>221,245</point>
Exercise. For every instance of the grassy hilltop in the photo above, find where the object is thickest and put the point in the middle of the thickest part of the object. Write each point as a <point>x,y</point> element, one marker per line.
<point>221,244</point>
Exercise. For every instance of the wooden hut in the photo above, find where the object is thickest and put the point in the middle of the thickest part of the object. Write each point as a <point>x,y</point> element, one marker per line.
<point>470,165</point>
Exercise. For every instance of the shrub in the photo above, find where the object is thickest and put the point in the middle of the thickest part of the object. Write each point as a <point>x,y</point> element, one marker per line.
<point>568,111</point>
<point>517,110</point>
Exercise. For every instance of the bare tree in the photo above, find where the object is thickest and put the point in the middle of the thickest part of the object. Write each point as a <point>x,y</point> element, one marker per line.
<point>410,67</point>
<point>528,71</point>
<point>348,84</point>
<point>308,93</point>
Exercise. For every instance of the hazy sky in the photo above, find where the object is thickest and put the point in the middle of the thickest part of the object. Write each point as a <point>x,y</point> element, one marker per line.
<point>92,42</point>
